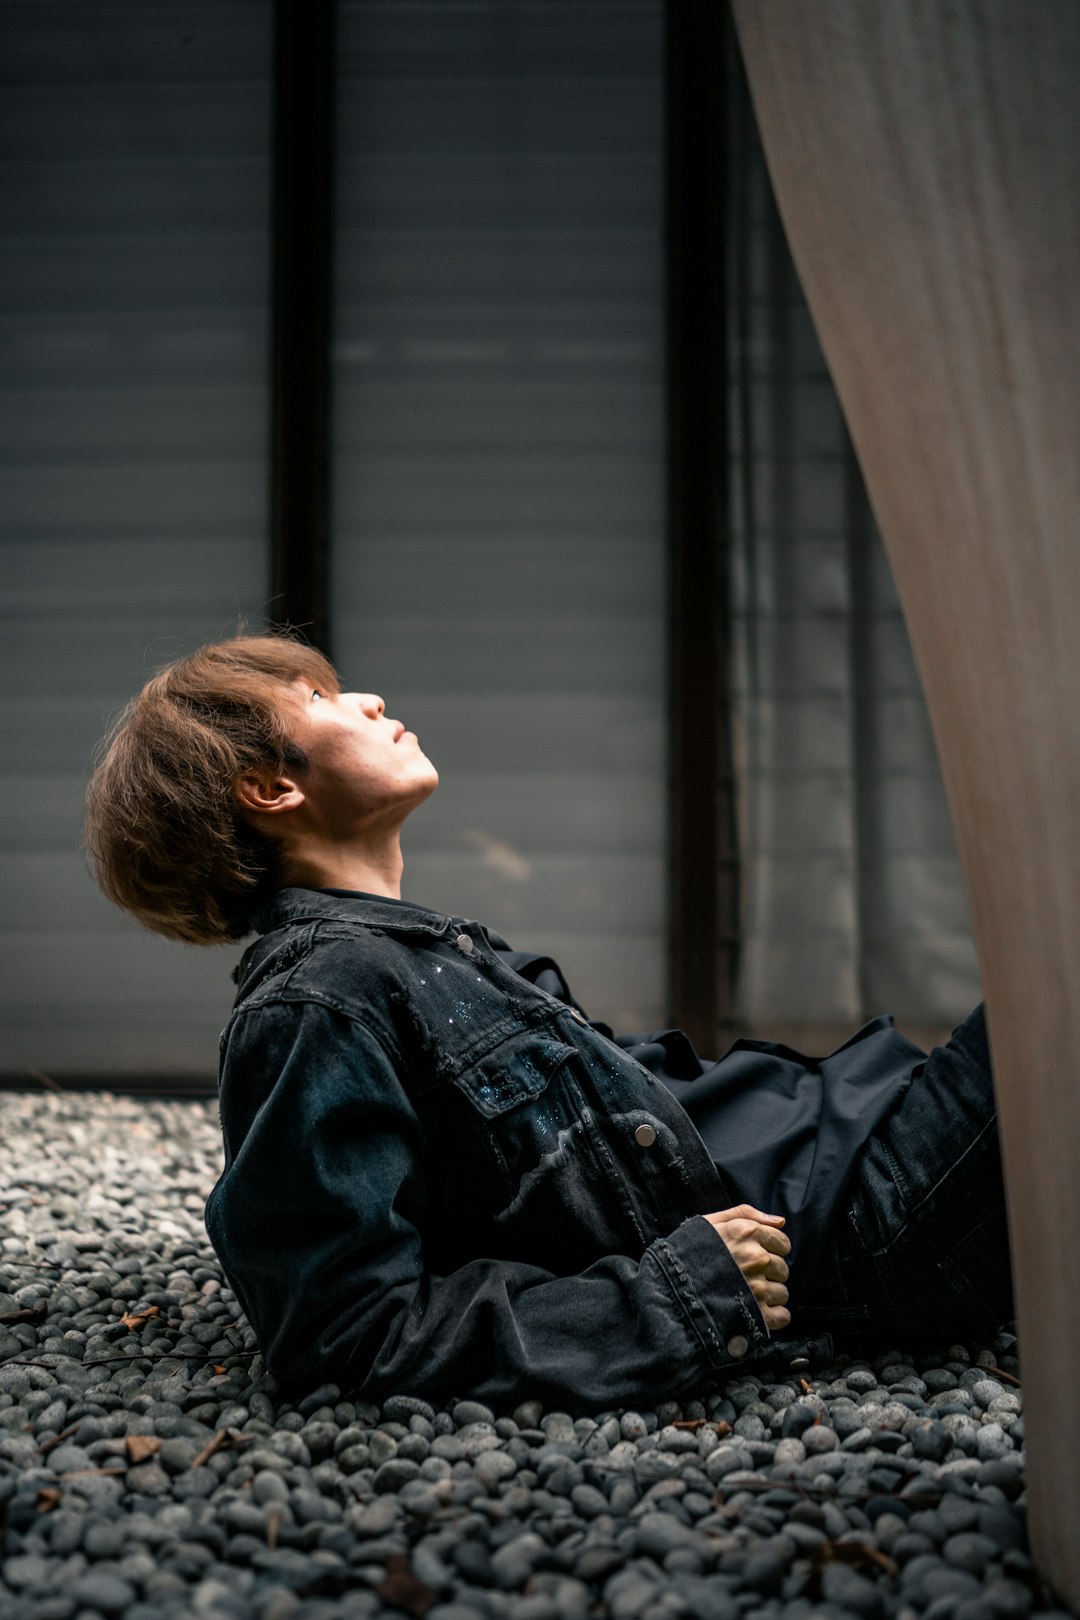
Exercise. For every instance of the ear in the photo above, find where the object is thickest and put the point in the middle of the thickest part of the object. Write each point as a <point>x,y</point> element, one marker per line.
<point>267,792</point>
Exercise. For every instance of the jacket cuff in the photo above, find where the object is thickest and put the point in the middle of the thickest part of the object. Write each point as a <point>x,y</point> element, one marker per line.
<point>711,1293</point>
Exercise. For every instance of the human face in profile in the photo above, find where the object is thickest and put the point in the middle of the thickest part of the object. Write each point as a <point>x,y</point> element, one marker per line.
<point>364,770</point>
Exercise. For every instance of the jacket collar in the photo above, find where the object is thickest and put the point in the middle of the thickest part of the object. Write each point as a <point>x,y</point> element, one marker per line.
<point>311,905</point>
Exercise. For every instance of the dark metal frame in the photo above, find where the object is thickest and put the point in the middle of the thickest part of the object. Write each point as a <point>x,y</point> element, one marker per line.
<point>302,314</point>
<point>704,866</point>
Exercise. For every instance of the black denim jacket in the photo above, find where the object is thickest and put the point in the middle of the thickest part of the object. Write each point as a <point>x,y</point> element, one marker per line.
<point>440,1178</point>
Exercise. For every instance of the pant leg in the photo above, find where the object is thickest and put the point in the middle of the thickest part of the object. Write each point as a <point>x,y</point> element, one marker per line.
<point>920,1248</point>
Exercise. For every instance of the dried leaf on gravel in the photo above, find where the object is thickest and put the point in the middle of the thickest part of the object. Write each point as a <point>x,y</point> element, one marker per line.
<point>33,1313</point>
<point>224,1440</point>
<point>48,1497</point>
<point>139,1319</point>
<point>141,1446</point>
<point>693,1424</point>
<point>855,1553</point>
<point>81,1473</point>
<point>404,1589</point>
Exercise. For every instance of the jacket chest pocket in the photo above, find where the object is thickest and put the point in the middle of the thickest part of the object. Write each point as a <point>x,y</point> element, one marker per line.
<point>536,1165</point>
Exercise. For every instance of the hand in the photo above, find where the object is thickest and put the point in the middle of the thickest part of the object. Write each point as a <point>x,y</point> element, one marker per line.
<point>758,1246</point>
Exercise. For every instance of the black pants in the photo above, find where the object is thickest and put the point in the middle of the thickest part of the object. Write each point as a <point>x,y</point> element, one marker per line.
<point>919,1251</point>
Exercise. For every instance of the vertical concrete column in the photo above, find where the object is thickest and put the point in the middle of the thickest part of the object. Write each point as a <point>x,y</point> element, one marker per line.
<point>926,158</point>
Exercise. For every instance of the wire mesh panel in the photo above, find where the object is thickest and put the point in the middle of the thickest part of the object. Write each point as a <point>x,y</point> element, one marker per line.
<point>499,557</point>
<point>134,146</point>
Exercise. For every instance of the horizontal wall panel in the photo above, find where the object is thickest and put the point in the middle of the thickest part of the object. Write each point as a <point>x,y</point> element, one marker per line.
<point>183,983</point>
<point>52,121</point>
<point>392,411</point>
<point>615,576</point>
<point>772,577</point>
<point>819,973</point>
<point>401,188</point>
<point>566,655</point>
<point>122,348</point>
<point>112,577</point>
<point>223,192</point>
<point>149,271</point>
<point>616,890</point>
<point>52,426</point>
<point>190,494</point>
<point>549,487</point>
<point>531,265</point>
<point>544,811</point>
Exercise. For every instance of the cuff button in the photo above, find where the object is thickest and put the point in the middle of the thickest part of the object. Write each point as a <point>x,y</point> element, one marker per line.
<point>645,1136</point>
<point>737,1346</point>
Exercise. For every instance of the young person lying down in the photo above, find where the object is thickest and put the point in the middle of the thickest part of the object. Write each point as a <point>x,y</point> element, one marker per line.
<point>440,1175</point>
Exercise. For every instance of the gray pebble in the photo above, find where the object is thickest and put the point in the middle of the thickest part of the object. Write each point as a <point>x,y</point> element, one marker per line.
<point>797,1417</point>
<point>99,1590</point>
<point>929,1439</point>
<point>819,1439</point>
<point>267,1486</point>
<point>992,1442</point>
<point>27,1570</point>
<point>394,1474</point>
<point>628,1594</point>
<point>850,1590</point>
<point>472,1412</point>
<point>969,1551</point>
<point>493,1466</point>
<point>513,1562</point>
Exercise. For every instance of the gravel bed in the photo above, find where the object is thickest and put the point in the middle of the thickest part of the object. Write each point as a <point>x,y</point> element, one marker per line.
<point>149,1467</point>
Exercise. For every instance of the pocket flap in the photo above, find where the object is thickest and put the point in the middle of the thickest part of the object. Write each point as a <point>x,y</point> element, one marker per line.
<point>514,1072</point>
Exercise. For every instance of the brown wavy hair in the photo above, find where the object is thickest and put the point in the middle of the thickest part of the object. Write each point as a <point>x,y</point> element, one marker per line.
<point>163,831</point>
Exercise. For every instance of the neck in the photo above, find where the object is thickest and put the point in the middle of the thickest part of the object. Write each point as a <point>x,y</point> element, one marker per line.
<point>376,870</point>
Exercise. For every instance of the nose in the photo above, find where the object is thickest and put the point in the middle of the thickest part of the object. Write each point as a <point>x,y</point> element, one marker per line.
<point>372,704</point>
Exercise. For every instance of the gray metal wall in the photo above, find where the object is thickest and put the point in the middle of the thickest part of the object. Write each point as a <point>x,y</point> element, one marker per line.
<point>500,557</point>
<point>498,550</point>
<point>134,145</point>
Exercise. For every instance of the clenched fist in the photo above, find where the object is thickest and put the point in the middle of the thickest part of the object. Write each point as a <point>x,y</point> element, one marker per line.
<point>758,1247</point>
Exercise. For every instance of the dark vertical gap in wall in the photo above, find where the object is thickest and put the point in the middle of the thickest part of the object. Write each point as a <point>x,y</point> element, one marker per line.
<point>704,869</point>
<point>860,539</point>
<point>302,314</point>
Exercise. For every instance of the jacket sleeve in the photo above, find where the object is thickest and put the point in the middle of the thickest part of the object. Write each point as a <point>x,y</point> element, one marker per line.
<point>317,1217</point>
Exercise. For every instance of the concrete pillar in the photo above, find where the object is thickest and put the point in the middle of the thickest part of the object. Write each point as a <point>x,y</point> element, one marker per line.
<point>926,159</point>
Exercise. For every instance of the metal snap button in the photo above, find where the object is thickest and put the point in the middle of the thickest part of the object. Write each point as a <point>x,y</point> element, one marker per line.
<point>737,1346</point>
<point>580,1017</point>
<point>464,944</point>
<point>645,1136</point>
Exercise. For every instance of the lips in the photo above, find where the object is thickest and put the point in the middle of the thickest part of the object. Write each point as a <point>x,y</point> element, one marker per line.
<point>400,732</point>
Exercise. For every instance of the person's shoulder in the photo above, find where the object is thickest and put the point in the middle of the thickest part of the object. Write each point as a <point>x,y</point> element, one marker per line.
<point>342,963</point>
